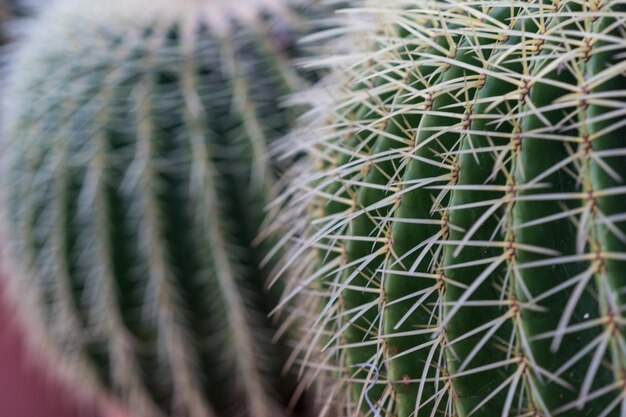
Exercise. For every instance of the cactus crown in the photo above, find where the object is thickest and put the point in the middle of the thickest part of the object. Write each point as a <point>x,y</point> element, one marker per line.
<point>134,179</point>
<point>459,230</point>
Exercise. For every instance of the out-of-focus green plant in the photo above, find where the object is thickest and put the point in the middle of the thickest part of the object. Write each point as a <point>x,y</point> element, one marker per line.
<point>134,180</point>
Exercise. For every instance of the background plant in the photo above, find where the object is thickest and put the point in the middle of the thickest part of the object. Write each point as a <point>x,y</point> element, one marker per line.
<point>134,179</point>
<point>458,225</point>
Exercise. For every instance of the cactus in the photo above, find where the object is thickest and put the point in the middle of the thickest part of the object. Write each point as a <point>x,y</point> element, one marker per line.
<point>135,177</point>
<point>458,239</point>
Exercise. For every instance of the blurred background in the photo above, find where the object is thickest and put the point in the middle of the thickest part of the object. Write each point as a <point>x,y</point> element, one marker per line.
<point>140,273</point>
<point>25,389</point>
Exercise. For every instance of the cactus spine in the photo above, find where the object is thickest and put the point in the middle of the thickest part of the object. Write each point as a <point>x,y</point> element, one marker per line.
<point>135,179</point>
<point>464,202</point>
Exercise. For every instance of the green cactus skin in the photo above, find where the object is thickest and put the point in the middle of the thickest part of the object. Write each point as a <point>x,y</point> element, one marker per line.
<point>135,178</point>
<point>469,254</point>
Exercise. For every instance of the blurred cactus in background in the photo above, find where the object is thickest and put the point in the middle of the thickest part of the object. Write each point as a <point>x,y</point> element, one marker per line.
<point>134,180</point>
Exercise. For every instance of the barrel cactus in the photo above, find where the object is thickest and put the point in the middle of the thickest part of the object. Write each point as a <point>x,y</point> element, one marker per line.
<point>458,236</point>
<point>134,181</point>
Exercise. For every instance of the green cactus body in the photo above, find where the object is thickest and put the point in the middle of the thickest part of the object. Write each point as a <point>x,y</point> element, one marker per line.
<point>488,228</point>
<point>135,179</point>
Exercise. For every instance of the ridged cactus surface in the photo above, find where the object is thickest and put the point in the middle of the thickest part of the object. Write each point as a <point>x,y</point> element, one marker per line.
<point>458,223</point>
<point>134,176</point>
